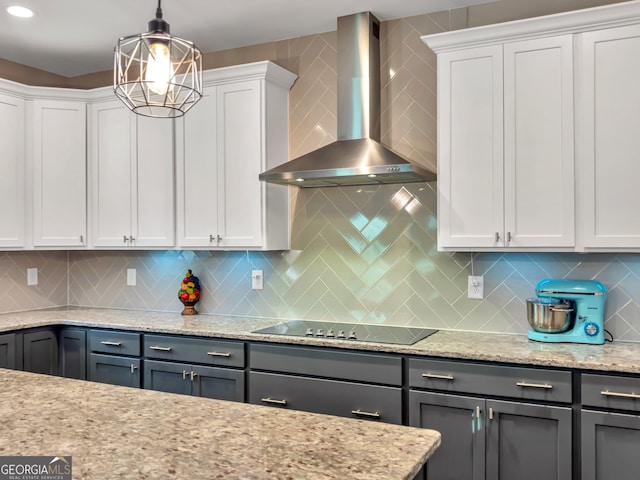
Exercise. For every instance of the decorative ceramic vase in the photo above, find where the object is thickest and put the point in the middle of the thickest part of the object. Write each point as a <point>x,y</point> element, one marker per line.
<point>189,307</point>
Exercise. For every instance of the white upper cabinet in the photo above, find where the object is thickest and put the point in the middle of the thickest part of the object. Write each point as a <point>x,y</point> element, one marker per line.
<point>237,130</point>
<point>537,140</point>
<point>131,178</point>
<point>58,155</point>
<point>610,141</point>
<point>12,165</point>
<point>505,145</point>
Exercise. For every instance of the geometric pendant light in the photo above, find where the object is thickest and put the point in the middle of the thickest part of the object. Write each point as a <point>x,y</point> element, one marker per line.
<point>156,74</point>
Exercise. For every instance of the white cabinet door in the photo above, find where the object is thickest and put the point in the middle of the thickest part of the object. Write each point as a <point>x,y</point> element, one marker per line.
<point>197,174</point>
<point>153,188</point>
<point>12,165</point>
<point>240,153</point>
<point>112,148</point>
<point>470,148</point>
<point>58,149</point>
<point>610,142</point>
<point>538,143</point>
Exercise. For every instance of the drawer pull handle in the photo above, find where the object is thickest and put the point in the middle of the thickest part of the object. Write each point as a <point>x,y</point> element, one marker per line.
<point>607,393</point>
<point>111,344</point>
<point>274,401</point>
<point>219,354</point>
<point>437,376</point>
<point>534,385</point>
<point>162,349</point>
<point>364,413</point>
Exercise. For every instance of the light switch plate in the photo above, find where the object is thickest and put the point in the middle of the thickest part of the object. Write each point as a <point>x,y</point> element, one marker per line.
<point>257,280</point>
<point>32,277</point>
<point>476,287</point>
<point>131,277</point>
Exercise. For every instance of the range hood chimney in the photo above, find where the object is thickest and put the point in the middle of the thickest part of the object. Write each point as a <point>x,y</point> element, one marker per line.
<point>357,157</point>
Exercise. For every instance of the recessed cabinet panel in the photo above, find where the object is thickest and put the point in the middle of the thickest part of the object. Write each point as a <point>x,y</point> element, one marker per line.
<point>470,148</point>
<point>59,155</point>
<point>610,142</point>
<point>112,145</point>
<point>538,139</point>
<point>153,209</point>
<point>12,165</point>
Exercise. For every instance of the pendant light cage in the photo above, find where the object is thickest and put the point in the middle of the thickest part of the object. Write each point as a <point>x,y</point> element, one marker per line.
<point>140,59</point>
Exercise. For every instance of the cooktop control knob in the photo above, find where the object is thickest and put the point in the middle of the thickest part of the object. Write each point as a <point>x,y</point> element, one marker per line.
<point>320,333</point>
<point>352,335</point>
<point>309,331</point>
<point>330,333</point>
<point>341,334</point>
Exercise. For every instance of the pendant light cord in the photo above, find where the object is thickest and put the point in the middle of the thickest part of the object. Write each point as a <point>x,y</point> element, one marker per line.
<point>159,10</point>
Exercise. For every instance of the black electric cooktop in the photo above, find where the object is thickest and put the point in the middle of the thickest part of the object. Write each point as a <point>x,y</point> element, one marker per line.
<point>350,331</point>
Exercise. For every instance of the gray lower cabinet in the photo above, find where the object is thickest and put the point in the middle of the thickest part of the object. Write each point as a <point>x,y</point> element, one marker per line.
<point>610,427</point>
<point>322,380</point>
<point>518,437</point>
<point>114,357</point>
<point>8,351</point>
<point>197,380</point>
<point>610,446</point>
<point>124,371</point>
<point>40,354</point>
<point>73,353</point>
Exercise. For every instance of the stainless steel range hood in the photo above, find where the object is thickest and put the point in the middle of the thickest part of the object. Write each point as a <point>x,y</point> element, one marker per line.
<point>357,157</point>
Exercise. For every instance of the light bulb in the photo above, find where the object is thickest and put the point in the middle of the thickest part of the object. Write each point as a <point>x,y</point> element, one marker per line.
<point>159,68</point>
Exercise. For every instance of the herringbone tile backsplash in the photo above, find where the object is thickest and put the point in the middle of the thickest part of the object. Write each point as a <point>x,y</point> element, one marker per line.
<point>365,254</point>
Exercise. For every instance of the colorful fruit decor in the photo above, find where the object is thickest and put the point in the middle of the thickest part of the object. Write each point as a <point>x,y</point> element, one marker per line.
<point>189,293</point>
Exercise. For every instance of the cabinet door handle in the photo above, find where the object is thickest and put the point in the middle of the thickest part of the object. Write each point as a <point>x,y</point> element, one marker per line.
<point>212,238</point>
<point>607,393</point>
<point>133,368</point>
<point>132,239</point>
<point>193,376</point>
<point>219,354</point>
<point>81,238</point>
<point>508,237</point>
<point>477,411</point>
<point>162,349</point>
<point>497,237</point>
<point>124,239</point>
<point>490,413</point>
<point>219,238</point>
<point>274,401</point>
<point>364,413</point>
<point>534,385</point>
<point>437,376</point>
<point>184,374</point>
<point>111,344</point>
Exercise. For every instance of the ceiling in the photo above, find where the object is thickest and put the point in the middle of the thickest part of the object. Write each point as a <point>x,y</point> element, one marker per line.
<point>76,37</point>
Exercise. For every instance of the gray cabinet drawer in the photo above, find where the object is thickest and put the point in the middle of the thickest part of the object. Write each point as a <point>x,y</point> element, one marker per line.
<point>327,363</point>
<point>331,397</point>
<point>194,350</point>
<point>495,380</point>
<point>121,343</point>
<point>611,391</point>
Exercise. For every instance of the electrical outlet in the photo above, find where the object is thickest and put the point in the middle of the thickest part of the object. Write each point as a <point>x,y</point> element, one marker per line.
<point>476,287</point>
<point>257,280</point>
<point>32,277</point>
<point>131,277</point>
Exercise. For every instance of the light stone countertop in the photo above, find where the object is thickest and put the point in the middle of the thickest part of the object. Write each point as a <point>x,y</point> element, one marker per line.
<point>125,433</point>
<point>516,349</point>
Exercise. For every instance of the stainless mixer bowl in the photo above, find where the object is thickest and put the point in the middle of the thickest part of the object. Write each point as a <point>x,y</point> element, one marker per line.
<point>549,315</point>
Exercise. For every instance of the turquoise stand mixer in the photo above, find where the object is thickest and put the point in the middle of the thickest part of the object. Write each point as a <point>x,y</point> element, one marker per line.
<point>567,311</point>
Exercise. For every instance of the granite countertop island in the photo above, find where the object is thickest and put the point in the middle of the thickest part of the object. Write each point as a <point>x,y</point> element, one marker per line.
<point>118,432</point>
<point>516,349</point>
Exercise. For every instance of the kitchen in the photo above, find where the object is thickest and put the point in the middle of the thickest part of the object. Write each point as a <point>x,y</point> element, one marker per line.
<point>354,254</point>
